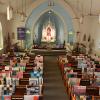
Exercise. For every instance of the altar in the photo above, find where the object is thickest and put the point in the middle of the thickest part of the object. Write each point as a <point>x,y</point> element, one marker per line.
<point>50,42</point>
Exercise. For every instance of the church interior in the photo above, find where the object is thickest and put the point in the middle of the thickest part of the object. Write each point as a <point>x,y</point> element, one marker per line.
<point>49,50</point>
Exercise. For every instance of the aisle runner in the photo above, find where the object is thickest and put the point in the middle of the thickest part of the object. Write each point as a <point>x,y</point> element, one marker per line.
<point>54,88</point>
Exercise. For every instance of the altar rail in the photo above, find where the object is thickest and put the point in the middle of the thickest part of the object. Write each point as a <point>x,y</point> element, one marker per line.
<point>49,51</point>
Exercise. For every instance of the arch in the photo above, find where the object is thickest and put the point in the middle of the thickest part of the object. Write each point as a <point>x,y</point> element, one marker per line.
<point>60,10</point>
<point>56,20</point>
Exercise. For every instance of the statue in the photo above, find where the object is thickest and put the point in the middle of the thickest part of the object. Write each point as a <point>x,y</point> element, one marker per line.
<point>48,31</point>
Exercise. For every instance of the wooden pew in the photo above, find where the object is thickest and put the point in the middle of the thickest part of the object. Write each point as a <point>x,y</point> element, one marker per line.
<point>30,65</point>
<point>31,61</point>
<point>34,90</point>
<point>24,81</point>
<point>97,65</point>
<point>78,70</point>
<point>17,97</point>
<point>29,69</point>
<point>41,97</point>
<point>26,75</point>
<point>20,90</point>
<point>91,90</point>
<point>85,82</point>
<point>79,75</point>
<point>95,97</point>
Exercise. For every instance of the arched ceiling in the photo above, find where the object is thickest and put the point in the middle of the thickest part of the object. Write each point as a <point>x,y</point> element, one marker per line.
<point>84,6</point>
<point>75,4</point>
<point>15,4</point>
<point>50,16</point>
<point>47,17</point>
<point>42,8</point>
<point>58,8</point>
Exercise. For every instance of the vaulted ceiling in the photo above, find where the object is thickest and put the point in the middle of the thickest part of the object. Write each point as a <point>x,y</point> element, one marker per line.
<point>80,6</point>
<point>15,4</point>
<point>85,6</point>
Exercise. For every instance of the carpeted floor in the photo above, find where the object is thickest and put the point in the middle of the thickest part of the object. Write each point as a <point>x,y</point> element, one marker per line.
<point>53,85</point>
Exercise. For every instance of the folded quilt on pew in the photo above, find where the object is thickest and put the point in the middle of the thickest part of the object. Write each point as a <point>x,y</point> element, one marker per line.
<point>73,81</point>
<point>90,90</point>
<point>79,90</point>
<point>6,97</point>
<point>31,97</point>
<point>33,90</point>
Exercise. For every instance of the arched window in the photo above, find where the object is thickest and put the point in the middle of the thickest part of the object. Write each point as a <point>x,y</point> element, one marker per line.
<point>1,37</point>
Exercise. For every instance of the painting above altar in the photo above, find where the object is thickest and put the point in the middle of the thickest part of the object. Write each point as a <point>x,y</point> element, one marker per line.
<point>48,32</point>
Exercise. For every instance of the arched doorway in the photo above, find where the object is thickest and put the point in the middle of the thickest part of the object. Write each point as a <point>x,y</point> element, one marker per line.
<point>61,13</point>
<point>49,20</point>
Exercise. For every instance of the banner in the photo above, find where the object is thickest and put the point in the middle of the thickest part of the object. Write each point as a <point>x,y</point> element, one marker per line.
<point>21,33</point>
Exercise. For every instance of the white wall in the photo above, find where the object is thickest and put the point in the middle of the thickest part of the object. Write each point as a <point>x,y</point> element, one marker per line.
<point>10,27</point>
<point>94,29</point>
<point>17,22</point>
<point>4,24</point>
<point>91,27</point>
<point>14,24</point>
<point>5,27</point>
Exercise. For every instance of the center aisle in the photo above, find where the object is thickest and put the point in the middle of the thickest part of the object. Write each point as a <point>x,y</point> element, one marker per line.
<point>53,85</point>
